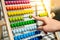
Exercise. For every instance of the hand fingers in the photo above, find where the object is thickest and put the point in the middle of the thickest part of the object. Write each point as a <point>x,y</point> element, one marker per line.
<point>40,28</point>
<point>39,18</point>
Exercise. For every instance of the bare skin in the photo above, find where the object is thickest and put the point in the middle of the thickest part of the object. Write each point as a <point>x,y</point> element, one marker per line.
<point>50,25</point>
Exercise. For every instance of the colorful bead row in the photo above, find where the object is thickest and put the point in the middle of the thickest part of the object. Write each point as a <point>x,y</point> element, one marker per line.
<point>18,18</point>
<point>43,14</point>
<point>24,29</point>
<point>26,35</point>
<point>17,24</point>
<point>21,12</point>
<point>16,2</point>
<point>18,7</point>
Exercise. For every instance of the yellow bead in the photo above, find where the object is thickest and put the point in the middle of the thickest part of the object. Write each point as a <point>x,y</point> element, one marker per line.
<point>9,13</point>
<point>43,14</point>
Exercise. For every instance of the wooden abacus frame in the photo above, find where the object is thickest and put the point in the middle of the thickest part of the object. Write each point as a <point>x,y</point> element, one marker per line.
<point>7,22</point>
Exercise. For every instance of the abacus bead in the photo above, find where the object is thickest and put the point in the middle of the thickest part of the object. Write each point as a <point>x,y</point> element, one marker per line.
<point>24,36</point>
<point>19,30</point>
<point>25,29</point>
<point>14,31</point>
<point>37,32</point>
<point>21,36</point>
<point>11,25</point>
<point>20,24</point>
<point>28,29</point>
<point>15,38</point>
<point>22,30</point>
<point>10,19</point>
<point>18,37</point>
<point>14,19</point>
<point>30,16</point>
<point>14,2</point>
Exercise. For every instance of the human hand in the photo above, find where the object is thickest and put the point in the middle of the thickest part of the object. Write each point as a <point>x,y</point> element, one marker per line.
<point>51,25</point>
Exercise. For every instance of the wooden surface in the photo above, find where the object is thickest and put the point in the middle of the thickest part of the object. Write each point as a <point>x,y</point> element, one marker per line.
<point>7,21</point>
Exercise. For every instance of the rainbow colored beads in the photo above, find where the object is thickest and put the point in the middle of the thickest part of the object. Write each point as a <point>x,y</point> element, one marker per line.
<point>16,2</point>
<point>17,24</point>
<point>43,14</point>
<point>18,7</point>
<point>19,12</point>
<point>18,18</point>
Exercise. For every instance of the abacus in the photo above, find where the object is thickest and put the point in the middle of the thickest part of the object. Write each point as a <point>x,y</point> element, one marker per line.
<point>19,22</point>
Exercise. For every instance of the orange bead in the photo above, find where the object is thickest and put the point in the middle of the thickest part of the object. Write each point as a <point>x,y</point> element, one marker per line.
<point>7,7</point>
<point>15,7</point>
<point>18,7</point>
<point>10,7</point>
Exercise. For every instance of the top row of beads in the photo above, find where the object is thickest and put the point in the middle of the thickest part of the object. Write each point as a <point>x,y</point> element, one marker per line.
<point>16,2</point>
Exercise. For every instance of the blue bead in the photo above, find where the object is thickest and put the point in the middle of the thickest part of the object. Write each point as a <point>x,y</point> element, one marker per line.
<point>27,35</point>
<point>37,39</point>
<point>33,33</point>
<point>18,37</point>
<point>37,32</point>
<point>15,38</point>
<point>21,36</point>
<point>24,36</point>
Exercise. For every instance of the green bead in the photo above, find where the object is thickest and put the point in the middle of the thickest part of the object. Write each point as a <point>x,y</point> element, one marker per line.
<point>30,16</point>
<point>14,19</point>
<point>25,22</point>
<point>12,25</point>
<point>10,19</point>
<point>20,23</point>
<point>28,22</point>
<point>16,24</point>
<point>19,18</point>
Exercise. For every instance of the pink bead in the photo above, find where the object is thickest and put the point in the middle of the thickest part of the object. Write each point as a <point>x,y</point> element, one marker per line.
<point>19,2</point>
<point>11,2</point>
<point>6,2</point>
